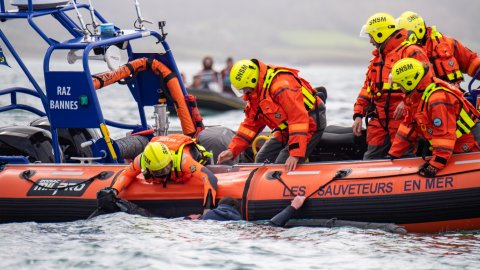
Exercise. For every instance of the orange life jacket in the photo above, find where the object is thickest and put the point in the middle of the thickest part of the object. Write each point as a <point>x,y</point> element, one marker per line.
<point>190,118</point>
<point>385,96</point>
<point>274,115</point>
<point>440,50</point>
<point>176,143</point>
<point>466,117</point>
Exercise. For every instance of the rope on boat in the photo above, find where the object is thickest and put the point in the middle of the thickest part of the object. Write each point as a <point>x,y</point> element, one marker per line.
<point>340,174</point>
<point>277,175</point>
<point>405,174</point>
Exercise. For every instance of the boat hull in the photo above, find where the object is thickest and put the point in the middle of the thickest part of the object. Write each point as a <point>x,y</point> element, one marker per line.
<point>380,191</point>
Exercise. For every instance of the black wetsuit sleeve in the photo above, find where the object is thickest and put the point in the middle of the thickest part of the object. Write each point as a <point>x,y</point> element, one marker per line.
<point>283,217</point>
<point>209,201</point>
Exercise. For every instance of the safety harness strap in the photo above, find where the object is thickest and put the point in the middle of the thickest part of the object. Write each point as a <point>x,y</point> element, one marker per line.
<point>308,98</point>
<point>465,121</point>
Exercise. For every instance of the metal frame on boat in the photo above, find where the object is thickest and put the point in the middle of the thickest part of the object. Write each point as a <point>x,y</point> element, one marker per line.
<point>69,98</point>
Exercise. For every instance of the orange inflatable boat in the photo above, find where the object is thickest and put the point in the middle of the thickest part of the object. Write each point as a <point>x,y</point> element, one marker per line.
<point>381,191</point>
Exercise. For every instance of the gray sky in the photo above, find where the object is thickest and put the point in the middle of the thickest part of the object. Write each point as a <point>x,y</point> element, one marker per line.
<point>302,31</point>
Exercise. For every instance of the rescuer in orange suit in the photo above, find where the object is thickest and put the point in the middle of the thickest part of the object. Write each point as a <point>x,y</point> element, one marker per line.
<point>173,158</point>
<point>378,101</point>
<point>436,111</point>
<point>280,99</point>
<point>449,57</point>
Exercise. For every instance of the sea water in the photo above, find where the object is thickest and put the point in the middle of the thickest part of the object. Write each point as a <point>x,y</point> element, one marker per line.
<point>121,241</point>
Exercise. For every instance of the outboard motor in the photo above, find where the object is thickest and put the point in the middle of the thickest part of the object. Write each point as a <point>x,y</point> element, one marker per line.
<point>70,139</point>
<point>31,142</point>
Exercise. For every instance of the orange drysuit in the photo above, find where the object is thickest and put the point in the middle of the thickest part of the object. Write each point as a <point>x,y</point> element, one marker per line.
<point>185,169</point>
<point>188,113</point>
<point>441,115</point>
<point>284,106</point>
<point>449,57</point>
<point>377,100</point>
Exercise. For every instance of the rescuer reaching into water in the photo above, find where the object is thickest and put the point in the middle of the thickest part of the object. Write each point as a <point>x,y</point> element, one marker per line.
<point>436,111</point>
<point>280,99</point>
<point>173,158</point>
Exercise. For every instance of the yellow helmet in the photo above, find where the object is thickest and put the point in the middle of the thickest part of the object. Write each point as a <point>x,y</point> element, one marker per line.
<point>412,22</point>
<point>244,74</point>
<point>156,157</point>
<point>379,26</point>
<point>408,72</point>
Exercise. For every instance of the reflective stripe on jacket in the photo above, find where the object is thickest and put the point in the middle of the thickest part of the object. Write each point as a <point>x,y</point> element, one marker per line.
<point>282,101</point>
<point>185,166</point>
<point>449,57</point>
<point>377,97</point>
<point>444,118</point>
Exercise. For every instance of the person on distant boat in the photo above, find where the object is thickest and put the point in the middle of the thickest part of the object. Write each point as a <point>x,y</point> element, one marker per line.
<point>209,78</point>
<point>225,74</point>
<point>279,98</point>
<point>379,102</point>
<point>436,111</point>
<point>228,209</point>
<point>449,57</point>
<point>196,82</point>
<point>174,158</point>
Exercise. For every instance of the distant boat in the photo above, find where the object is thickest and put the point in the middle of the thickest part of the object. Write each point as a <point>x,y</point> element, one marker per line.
<point>215,101</point>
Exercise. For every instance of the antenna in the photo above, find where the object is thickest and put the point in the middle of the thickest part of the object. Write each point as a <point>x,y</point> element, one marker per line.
<point>139,20</point>
<point>92,15</point>
<point>84,30</point>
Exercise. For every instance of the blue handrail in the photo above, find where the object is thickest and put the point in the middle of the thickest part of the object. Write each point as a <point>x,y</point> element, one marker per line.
<point>75,43</point>
<point>474,78</point>
<point>13,100</point>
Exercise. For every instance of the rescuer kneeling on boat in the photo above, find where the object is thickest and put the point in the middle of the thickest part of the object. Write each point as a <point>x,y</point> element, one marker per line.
<point>279,98</point>
<point>173,158</point>
<point>436,111</point>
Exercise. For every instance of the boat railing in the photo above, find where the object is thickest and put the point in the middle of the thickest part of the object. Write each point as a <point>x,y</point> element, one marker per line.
<point>69,98</point>
<point>14,105</point>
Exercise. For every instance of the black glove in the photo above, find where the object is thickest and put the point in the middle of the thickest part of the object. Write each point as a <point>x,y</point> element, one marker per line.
<point>428,170</point>
<point>107,200</point>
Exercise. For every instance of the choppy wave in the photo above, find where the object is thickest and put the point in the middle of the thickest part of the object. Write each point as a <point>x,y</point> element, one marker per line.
<point>121,241</point>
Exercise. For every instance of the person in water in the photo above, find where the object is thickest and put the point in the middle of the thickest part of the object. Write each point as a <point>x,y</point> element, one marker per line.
<point>436,111</point>
<point>279,98</point>
<point>174,158</point>
<point>228,209</point>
